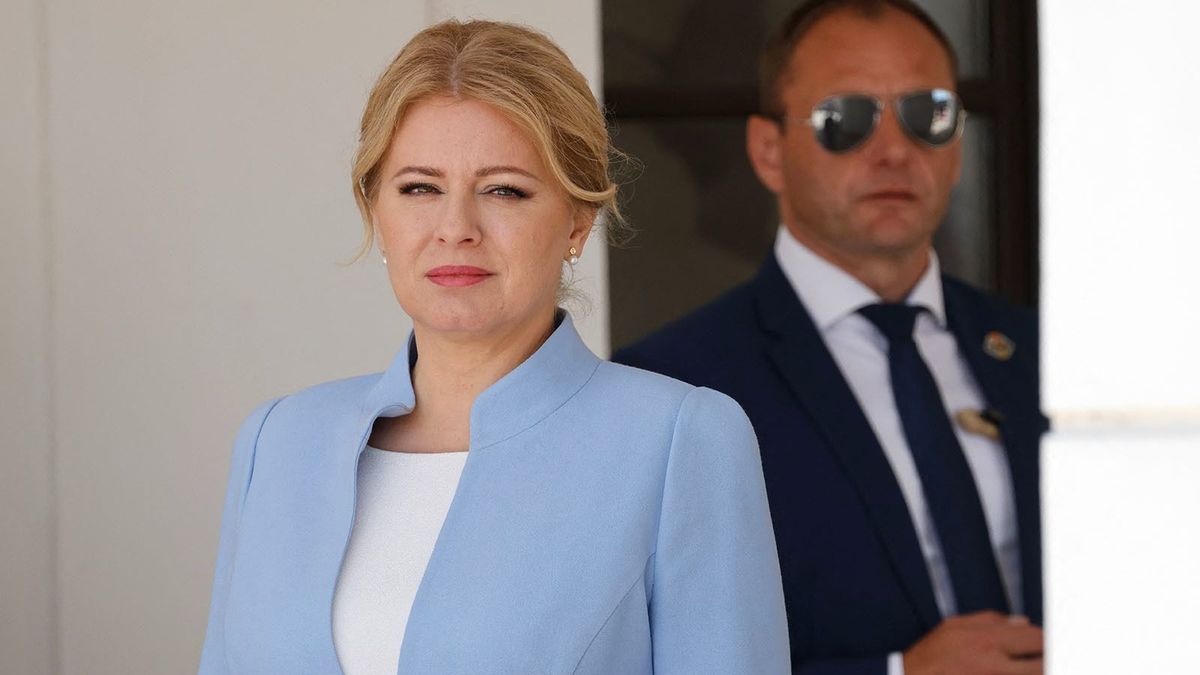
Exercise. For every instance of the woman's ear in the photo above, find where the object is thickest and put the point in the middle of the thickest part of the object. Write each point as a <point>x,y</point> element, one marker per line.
<point>583,221</point>
<point>378,239</point>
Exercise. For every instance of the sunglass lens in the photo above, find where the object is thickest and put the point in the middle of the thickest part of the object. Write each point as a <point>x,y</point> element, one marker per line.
<point>842,122</point>
<point>931,117</point>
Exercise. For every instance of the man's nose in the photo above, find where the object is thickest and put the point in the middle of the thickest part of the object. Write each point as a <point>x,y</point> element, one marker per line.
<point>890,144</point>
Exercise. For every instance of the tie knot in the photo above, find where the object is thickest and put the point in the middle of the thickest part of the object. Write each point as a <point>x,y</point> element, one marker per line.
<point>895,320</point>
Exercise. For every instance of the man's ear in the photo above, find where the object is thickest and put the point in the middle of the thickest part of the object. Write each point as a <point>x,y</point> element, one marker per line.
<point>764,146</point>
<point>958,161</point>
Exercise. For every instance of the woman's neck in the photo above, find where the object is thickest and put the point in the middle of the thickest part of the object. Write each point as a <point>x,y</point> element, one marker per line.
<point>450,373</point>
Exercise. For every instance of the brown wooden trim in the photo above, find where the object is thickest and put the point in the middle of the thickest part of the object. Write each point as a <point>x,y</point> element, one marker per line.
<point>978,96</point>
<point>638,102</point>
<point>1015,188</point>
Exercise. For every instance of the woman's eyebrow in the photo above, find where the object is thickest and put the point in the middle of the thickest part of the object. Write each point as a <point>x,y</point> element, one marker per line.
<point>422,170</point>
<point>481,173</point>
<point>493,170</point>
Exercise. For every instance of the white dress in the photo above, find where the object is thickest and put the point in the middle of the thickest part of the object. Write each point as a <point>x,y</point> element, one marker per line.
<point>401,504</point>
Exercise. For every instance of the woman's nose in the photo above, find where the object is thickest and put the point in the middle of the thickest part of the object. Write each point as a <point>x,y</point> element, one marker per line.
<point>459,223</point>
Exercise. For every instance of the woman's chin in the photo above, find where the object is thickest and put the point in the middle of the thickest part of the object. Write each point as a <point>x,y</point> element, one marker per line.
<point>457,324</point>
<point>465,322</point>
<point>460,320</point>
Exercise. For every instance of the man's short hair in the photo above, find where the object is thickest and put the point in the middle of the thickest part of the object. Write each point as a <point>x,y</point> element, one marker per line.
<point>777,53</point>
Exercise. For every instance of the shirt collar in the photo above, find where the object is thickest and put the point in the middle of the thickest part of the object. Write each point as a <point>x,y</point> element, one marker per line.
<point>830,294</point>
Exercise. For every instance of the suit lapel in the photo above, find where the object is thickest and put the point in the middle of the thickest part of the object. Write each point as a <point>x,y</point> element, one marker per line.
<point>1021,427</point>
<point>799,353</point>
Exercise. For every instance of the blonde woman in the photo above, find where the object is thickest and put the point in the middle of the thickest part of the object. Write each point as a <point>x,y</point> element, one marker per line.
<point>499,500</point>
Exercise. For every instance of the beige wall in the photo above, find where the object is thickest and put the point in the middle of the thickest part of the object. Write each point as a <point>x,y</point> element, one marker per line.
<point>26,502</point>
<point>175,206</point>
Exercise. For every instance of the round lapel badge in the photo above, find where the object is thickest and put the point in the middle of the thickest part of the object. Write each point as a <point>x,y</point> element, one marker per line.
<point>998,346</point>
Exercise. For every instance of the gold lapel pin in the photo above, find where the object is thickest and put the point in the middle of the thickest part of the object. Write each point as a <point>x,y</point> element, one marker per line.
<point>981,423</point>
<point>998,346</point>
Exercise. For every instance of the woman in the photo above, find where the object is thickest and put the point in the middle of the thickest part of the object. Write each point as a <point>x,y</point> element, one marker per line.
<point>499,500</point>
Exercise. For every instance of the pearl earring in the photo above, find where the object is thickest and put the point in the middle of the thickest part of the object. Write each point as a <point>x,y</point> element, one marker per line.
<point>383,255</point>
<point>574,253</point>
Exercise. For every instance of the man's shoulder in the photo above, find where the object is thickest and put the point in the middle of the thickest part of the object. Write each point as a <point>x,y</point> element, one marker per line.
<point>987,306</point>
<point>717,330</point>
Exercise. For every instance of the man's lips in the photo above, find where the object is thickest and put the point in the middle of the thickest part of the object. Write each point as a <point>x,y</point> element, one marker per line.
<point>457,275</point>
<point>891,193</point>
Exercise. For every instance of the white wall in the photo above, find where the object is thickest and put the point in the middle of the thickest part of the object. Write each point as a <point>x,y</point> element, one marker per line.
<point>1122,507</point>
<point>1121,228</point>
<point>175,207</point>
<point>1120,240</point>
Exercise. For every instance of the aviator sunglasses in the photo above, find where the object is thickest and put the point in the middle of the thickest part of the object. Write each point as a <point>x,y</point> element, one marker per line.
<point>933,117</point>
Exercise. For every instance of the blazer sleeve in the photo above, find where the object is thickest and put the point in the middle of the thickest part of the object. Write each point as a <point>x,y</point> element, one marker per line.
<point>716,602</point>
<point>213,659</point>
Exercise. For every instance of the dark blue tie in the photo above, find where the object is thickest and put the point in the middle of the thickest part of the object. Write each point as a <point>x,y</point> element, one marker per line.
<point>946,479</point>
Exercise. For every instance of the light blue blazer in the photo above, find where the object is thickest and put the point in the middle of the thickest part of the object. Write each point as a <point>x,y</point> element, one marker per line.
<point>608,521</point>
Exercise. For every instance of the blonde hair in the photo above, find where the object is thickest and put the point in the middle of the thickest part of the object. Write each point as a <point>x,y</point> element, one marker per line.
<point>520,72</point>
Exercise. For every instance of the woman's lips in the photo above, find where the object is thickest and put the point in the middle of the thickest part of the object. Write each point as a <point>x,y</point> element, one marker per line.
<point>457,275</point>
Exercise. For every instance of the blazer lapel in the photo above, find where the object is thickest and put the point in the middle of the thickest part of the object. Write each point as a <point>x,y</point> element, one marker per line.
<point>799,352</point>
<point>1015,404</point>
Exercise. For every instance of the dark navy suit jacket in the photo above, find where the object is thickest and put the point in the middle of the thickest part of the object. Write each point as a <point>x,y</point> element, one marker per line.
<point>855,582</point>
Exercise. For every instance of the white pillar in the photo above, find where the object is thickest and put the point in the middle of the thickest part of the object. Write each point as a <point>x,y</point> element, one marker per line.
<point>1120,237</point>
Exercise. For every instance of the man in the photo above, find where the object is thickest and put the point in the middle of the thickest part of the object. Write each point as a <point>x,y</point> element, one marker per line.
<point>897,410</point>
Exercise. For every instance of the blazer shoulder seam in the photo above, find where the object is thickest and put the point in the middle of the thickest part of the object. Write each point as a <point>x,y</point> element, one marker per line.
<point>253,453</point>
<point>662,490</point>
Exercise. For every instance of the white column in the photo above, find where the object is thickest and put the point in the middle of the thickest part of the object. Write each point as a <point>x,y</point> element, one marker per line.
<point>1120,323</point>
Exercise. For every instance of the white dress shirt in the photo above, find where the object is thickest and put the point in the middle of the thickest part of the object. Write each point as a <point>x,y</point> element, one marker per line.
<point>832,297</point>
<point>401,503</point>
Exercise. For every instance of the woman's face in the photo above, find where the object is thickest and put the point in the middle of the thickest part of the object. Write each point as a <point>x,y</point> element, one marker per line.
<point>473,225</point>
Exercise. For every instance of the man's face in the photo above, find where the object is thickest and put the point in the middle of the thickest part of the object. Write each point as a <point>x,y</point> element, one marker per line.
<point>884,198</point>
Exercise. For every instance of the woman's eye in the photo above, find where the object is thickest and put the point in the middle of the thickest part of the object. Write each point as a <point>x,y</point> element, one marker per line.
<point>507,191</point>
<point>418,189</point>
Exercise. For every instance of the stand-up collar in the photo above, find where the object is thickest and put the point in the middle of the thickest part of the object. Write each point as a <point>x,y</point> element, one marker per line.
<point>515,402</point>
<point>831,294</point>
<point>393,394</point>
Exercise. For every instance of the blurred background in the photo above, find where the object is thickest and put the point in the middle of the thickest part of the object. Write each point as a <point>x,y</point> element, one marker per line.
<point>680,77</point>
<point>175,210</point>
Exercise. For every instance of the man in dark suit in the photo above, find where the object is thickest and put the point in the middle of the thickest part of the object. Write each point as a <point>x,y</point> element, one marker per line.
<point>897,409</point>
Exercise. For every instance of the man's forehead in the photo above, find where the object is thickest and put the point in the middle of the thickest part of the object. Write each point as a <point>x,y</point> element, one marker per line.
<point>883,54</point>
